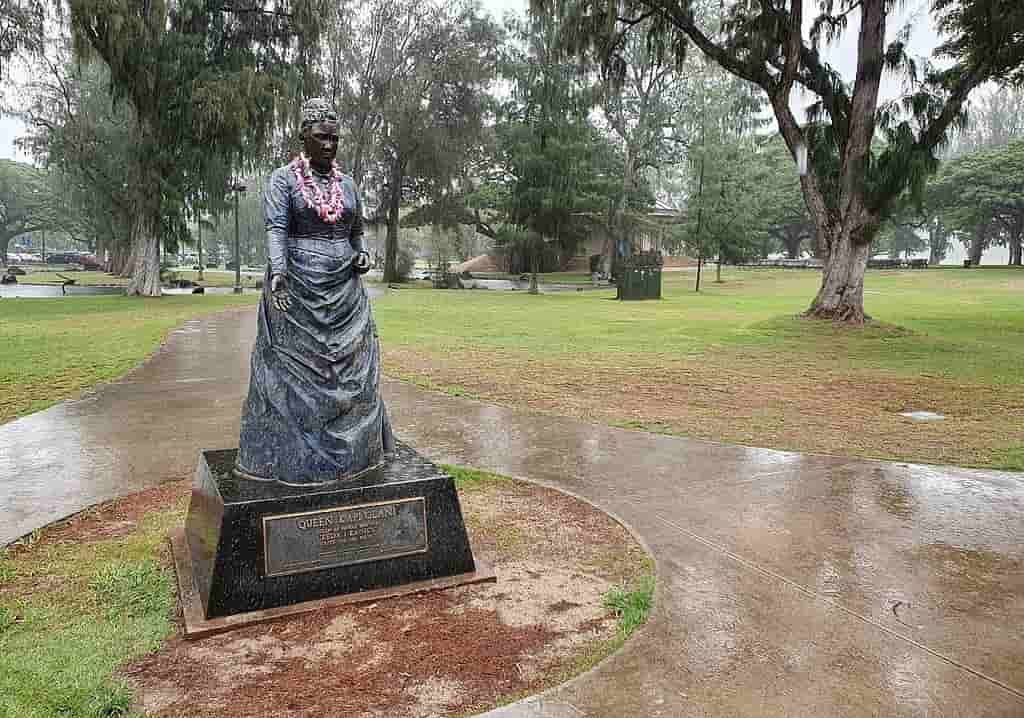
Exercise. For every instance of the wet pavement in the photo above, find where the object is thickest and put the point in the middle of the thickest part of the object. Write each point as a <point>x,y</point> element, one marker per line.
<point>788,585</point>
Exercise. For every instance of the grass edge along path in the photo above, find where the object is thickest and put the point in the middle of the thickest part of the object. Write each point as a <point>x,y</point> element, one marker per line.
<point>73,611</point>
<point>54,349</point>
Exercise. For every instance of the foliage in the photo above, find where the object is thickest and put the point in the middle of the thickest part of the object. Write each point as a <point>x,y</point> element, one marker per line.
<point>405,263</point>
<point>727,175</point>
<point>993,122</point>
<point>553,166</point>
<point>89,142</point>
<point>723,214</point>
<point>782,207</point>
<point>900,240</point>
<point>765,44</point>
<point>639,107</point>
<point>631,605</point>
<point>207,85</point>
<point>981,196</point>
<point>418,97</point>
<point>31,200</point>
<point>21,29</point>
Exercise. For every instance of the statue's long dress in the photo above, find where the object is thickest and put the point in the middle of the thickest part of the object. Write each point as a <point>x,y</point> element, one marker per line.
<point>314,413</point>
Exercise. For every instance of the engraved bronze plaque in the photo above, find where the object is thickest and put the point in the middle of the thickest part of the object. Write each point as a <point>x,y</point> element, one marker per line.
<point>328,538</point>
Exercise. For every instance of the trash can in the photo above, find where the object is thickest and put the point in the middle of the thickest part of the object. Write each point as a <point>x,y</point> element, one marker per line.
<point>640,276</point>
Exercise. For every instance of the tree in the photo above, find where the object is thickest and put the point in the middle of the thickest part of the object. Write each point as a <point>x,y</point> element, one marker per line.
<point>981,195</point>
<point>207,83</point>
<point>994,122</point>
<point>84,137</point>
<point>21,29</point>
<point>552,166</point>
<point>723,211</point>
<point>781,203</point>
<point>639,102</point>
<point>848,185</point>
<point>30,200</point>
<point>425,72</point>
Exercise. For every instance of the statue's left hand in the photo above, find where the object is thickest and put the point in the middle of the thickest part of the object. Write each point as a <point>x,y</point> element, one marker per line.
<point>362,262</point>
<point>279,292</point>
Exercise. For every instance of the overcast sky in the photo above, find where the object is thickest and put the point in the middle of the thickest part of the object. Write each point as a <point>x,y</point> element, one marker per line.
<point>842,55</point>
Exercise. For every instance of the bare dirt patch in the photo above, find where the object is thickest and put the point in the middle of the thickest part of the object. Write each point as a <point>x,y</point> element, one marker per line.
<point>451,652</point>
<point>746,398</point>
<point>118,517</point>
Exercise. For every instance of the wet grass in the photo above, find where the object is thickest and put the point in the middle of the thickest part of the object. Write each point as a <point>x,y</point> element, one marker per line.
<point>472,479</point>
<point>72,612</point>
<point>737,363</point>
<point>631,604</point>
<point>211,277</point>
<point>82,278</point>
<point>52,349</point>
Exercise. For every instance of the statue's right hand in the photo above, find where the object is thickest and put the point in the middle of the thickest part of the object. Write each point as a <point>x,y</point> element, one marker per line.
<point>279,291</point>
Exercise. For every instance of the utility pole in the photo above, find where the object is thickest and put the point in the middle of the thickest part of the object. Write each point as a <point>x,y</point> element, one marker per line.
<point>43,232</point>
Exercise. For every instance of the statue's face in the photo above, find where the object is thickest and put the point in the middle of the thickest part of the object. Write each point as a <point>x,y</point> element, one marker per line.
<point>320,143</point>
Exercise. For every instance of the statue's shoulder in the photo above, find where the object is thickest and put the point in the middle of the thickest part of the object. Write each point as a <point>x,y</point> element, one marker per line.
<point>282,174</point>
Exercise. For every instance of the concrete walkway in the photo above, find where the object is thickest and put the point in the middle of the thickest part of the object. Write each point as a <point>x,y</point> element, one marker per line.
<point>788,585</point>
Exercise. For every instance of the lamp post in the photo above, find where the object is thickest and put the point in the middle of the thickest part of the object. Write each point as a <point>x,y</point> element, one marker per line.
<point>202,264</point>
<point>238,188</point>
<point>199,243</point>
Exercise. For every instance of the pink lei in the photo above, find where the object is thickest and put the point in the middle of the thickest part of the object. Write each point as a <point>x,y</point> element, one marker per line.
<point>328,206</point>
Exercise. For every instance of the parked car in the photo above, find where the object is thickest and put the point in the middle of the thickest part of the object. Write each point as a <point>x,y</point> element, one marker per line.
<point>89,261</point>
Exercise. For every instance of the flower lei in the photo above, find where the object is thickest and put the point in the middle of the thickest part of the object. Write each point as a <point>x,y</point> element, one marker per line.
<point>329,207</point>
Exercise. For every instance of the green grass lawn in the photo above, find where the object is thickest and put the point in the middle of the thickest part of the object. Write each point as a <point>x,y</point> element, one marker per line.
<point>211,278</point>
<point>54,348</point>
<point>83,278</point>
<point>737,363</point>
<point>734,363</point>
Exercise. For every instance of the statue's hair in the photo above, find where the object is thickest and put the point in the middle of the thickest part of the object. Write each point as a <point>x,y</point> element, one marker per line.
<point>317,109</point>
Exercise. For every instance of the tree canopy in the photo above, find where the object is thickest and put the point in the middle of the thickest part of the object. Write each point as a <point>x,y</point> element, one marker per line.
<point>850,183</point>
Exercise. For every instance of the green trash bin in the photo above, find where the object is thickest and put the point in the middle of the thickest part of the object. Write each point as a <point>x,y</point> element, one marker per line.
<point>640,276</point>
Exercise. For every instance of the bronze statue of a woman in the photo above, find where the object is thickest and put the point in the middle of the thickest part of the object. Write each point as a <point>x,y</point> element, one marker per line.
<point>314,413</point>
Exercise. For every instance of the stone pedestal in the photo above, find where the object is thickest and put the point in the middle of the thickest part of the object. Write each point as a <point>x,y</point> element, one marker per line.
<point>255,546</point>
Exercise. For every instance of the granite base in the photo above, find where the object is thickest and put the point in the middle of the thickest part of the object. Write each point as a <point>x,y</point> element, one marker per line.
<point>256,545</point>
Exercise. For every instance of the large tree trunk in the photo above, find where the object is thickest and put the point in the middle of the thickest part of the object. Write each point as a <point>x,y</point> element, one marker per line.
<point>791,240</point>
<point>977,246</point>
<point>145,280</point>
<point>841,296</point>
<point>1015,250</point>
<point>129,249</point>
<point>391,243</point>
<point>118,257</point>
<point>937,243</point>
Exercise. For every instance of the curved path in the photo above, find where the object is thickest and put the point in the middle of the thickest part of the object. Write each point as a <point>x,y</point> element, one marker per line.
<point>788,585</point>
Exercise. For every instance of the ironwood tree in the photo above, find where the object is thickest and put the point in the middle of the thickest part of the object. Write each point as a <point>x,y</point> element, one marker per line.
<point>850,182</point>
<point>87,141</point>
<point>207,82</point>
